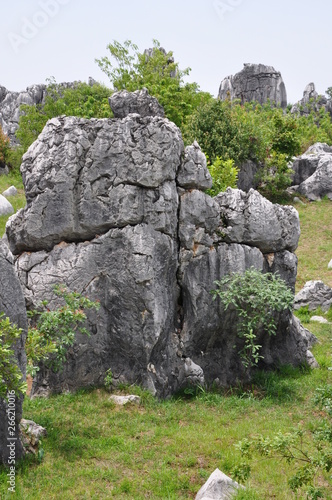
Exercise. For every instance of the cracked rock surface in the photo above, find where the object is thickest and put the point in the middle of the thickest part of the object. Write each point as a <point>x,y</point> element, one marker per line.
<point>255,82</point>
<point>115,210</point>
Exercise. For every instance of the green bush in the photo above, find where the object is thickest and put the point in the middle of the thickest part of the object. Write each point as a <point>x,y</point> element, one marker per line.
<point>256,297</point>
<point>82,100</point>
<point>10,375</point>
<point>224,174</point>
<point>4,147</point>
<point>54,330</point>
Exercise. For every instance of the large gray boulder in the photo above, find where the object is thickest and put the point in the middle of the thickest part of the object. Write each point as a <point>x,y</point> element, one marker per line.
<point>312,175</point>
<point>255,82</point>
<point>12,304</point>
<point>116,210</point>
<point>251,219</point>
<point>314,294</point>
<point>123,103</point>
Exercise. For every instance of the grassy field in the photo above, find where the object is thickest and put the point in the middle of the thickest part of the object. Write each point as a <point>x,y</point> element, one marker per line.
<point>17,201</point>
<point>168,449</point>
<point>315,247</point>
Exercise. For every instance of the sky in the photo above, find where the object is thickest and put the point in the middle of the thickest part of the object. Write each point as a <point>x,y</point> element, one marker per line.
<point>40,39</point>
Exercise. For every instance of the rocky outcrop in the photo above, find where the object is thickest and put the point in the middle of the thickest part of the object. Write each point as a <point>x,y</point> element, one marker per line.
<point>311,101</point>
<point>115,210</point>
<point>314,294</point>
<point>123,103</point>
<point>256,82</point>
<point>313,172</point>
<point>13,306</point>
<point>10,103</point>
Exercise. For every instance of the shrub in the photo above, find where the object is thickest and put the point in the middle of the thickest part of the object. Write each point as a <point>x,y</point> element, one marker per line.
<point>10,375</point>
<point>256,297</point>
<point>224,174</point>
<point>54,331</point>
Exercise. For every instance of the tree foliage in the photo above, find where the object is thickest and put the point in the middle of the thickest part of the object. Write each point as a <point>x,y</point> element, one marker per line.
<point>129,69</point>
<point>10,375</point>
<point>256,297</point>
<point>86,101</point>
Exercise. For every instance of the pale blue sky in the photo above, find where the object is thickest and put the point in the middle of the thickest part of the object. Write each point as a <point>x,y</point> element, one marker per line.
<point>61,38</point>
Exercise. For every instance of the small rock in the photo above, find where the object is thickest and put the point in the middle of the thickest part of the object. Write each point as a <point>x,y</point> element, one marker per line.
<point>11,191</point>
<point>329,266</point>
<point>311,360</point>
<point>314,294</point>
<point>123,400</point>
<point>318,319</point>
<point>5,207</point>
<point>31,433</point>
<point>218,487</point>
<point>297,200</point>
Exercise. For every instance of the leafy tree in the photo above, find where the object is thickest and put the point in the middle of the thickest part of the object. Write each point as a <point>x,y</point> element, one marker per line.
<point>256,297</point>
<point>82,100</point>
<point>128,69</point>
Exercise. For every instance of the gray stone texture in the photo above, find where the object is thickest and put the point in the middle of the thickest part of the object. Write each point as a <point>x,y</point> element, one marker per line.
<point>6,208</point>
<point>193,172</point>
<point>13,306</point>
<point>311,101</point>
<point>115,210</point>
<point>314,294</point>
<point>255,82</point>
<point>123,103</point>
<point>218,487</point>
<point>312,175</point>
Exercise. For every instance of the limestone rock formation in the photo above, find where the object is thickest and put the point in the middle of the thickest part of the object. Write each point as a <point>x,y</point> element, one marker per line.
<point>255,82</point>
<point>314,294</point>
<point>10,103</point>
<point>140,102</point>
<point>115,210</point>
<point>313,172</point>
<point>13,306</point>
<point>311,101</point>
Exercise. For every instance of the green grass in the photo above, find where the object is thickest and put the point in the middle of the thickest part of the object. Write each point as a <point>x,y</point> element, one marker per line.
<point>167,449</point>
<point>315,246</point>
<point>18,201</point>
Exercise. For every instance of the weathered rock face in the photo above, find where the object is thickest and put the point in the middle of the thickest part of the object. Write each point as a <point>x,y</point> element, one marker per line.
<point>140,102</point>
<point>256,82</point>
<point>311,101</point>
<point>313,172</point>
<point>115,210</point>
<point>10,103</point>
<point>13,306</point>
<point>314,294</point>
